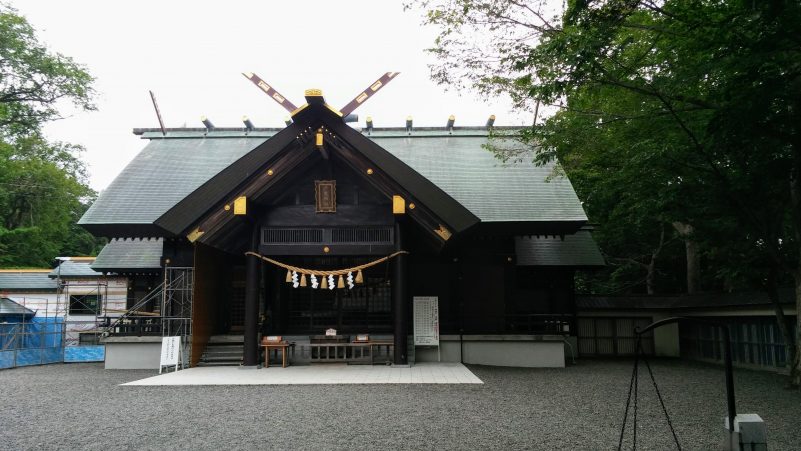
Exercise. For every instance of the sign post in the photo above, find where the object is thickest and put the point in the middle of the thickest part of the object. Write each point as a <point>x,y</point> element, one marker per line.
<point>170,352</point>
<point>426,322</point>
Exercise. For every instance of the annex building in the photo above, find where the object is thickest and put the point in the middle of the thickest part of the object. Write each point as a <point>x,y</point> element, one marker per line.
<point>322,226</point>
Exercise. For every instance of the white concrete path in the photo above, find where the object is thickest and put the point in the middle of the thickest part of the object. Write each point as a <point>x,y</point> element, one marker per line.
<point>421,373</point>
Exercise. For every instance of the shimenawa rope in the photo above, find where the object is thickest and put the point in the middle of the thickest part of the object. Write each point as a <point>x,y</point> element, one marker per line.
<point>335,272</point>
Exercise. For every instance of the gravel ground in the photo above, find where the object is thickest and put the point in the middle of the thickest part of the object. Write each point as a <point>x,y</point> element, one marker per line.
<point>81,406</point>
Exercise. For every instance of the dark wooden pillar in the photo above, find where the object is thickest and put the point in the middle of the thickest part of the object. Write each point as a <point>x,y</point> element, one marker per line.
<point>252,273</point>
<point>400,299</point>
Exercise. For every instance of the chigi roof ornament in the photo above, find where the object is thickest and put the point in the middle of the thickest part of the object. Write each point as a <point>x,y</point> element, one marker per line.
<point>315,96</point>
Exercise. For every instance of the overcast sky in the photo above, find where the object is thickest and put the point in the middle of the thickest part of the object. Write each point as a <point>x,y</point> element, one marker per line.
<point>192,54</point>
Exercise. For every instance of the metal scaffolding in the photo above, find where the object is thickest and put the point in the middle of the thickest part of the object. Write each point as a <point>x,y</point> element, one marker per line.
<point>176,307</point>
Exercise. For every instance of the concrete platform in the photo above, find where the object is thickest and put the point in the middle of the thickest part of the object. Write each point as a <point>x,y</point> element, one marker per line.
<point>422,373</point>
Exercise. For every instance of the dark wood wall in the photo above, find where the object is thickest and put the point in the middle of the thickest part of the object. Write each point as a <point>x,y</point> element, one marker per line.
<point>491,295</point>
<point>209,268</point>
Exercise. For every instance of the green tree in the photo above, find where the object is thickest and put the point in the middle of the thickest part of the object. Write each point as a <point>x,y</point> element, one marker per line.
<point>43,192</point>
<point>43,186</point>
<point>33,79</point>
<point>700,97</point>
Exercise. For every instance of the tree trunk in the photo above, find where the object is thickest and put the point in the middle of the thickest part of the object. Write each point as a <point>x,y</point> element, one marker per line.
<point>692,254</point>
<point>771,288</point>
<point>650,276</point>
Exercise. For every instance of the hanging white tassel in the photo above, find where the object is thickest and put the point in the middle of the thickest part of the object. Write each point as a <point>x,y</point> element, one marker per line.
<point>295,281</point>
<point>331,282</point>
<point>350,281</point>
<point>314,282</point>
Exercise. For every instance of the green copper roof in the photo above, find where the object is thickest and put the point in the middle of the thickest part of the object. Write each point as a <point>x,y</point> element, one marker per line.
<point>578,249</point>
<point>163,173</point>
<point>492,190</point>
<point>171,167</point>
<point>121,254</point>
<point>11,281</point>
<point>74,268</point>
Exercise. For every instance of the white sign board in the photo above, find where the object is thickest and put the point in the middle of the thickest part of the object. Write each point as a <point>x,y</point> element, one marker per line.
<point>426,321</point>
<point>170,352</point>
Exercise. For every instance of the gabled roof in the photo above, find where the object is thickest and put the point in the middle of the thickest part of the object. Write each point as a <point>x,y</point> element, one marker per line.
<point>74,267</point>
<point>162,190</point>
<point>492,190</point>
<point>578,249</point>
<point>26,280</point>
<point>166,171</point>
<point>129,254</point>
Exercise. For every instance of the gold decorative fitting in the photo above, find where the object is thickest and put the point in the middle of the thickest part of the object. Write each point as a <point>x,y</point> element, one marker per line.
<point>299,109</point>
<point>194,235</point>
<point>412,206</point>
<point>270,172</point>
<point>313,93</point>
<point>443,233</point>
<point>398,205</point>
<point>319,139</point>
<point>509,259</point>
<point>334,110</point>
<point>167,261</point>
<point>369,171</point>
<point>241,206</point>
<point>326,249</point>
<point>227,207</point>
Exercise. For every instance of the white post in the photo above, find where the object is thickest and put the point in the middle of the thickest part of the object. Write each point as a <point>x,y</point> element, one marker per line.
<point>750,433</point>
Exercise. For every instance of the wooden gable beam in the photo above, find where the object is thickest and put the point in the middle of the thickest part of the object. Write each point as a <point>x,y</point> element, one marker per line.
<point>185,214</point>
<point>454,216</point>
<point>391,188</point>
<point>267,177</point>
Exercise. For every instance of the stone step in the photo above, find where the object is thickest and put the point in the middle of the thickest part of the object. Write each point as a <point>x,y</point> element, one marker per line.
<point>218,352</point>
<point>217,358</point>
<point>226,339</point>
<point>202,363</point>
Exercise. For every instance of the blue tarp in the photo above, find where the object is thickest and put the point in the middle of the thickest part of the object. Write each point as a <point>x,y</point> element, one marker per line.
<point>39,342</point>
<point>93,353</point>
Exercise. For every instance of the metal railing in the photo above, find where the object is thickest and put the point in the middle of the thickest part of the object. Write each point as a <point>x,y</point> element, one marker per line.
<point>135,322</point>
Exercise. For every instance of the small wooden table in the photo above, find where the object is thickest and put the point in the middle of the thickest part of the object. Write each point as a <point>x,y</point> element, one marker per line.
<point>280,346</point>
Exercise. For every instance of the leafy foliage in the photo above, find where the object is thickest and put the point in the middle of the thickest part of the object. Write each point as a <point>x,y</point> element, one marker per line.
<point>43,186</point>
<point>675,111</point>
<point>33,80</point>
<point>681,112</point>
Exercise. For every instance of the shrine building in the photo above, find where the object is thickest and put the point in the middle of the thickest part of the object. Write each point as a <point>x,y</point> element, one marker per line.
<point>235,234</point>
